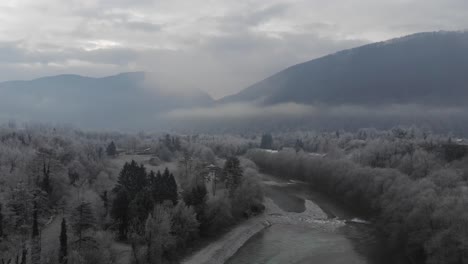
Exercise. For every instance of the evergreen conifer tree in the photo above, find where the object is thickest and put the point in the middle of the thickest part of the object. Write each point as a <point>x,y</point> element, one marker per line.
<point>83,220</point>
<point>111,149</point>
<point>35,239</point>
<point>232,174</point>
<point>267,141</point>
<point>24,255</point>
<point>171,187</point>
<point>139,209</point>
<point>63,251</point>
<point>164,187</point>
<point>20,204</point>
<point>197,197</point>
<point>46,186</point>
<point>157,187</point>
<point>120,213</point>
<point>132,179</point>
<point>105,201</point>
<point>1,220</point>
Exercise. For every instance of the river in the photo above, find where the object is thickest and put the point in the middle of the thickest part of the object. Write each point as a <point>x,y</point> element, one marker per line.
<point>354,241</point>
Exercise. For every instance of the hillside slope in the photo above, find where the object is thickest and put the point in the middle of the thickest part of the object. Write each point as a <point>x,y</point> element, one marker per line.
<point>116,102</point>
<point>424,68</point>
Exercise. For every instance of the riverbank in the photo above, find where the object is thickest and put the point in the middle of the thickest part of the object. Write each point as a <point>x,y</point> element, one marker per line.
<point>311,236</point>
<point>218,252</point>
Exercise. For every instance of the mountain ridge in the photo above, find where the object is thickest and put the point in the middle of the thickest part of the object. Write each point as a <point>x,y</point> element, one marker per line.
<point>116,101</point>
<point>429,59</point>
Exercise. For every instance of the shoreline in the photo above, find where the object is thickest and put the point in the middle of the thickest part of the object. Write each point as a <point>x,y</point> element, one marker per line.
<point>218,252</point>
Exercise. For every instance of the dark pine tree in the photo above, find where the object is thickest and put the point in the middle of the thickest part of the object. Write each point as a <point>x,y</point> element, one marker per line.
<point>197,197</point>
<point>24,255</point>
<point>132,179</point>
<point>163,187</point>
<point>120,213</point>
<point>35,239</point>
<point>157,188</point>
<point>105,201</point>
<point>172,193</point>
<point>35,227</point>
<point>169,187</point>
<point>232,174</point>
<point>46,186</point>
<point>63,251</point>
<point>267,141</point>
<point>1,221</point>
<point>151,178</point>
<point>111,149</point>
<point>139,209</point>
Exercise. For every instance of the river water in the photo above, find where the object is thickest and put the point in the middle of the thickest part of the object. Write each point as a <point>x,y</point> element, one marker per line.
<point>353,242</point>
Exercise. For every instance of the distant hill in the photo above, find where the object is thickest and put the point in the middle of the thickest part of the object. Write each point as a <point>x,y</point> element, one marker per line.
<point>424,68</point>
<point>123,101</point>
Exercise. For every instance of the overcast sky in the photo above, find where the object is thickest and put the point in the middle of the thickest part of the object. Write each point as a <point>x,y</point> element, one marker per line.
<point>219,46</point>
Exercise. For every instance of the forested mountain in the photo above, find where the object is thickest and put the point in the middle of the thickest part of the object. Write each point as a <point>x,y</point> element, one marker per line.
<point>119,102</point>
<point>424,68</point>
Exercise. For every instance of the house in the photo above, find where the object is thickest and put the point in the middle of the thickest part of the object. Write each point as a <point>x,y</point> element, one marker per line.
<point>145,151</point>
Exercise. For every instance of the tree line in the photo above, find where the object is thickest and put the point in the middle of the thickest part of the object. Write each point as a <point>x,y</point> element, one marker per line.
<point>412,186</point>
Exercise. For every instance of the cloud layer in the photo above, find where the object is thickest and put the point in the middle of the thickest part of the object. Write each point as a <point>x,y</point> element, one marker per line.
<point>249,118</point>
<point>293,110</point>
<point>219,46</point>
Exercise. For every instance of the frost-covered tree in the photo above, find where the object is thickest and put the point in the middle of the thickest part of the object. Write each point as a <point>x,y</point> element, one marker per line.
<point>20,204</point>
<point>184,224</point>
<point>82,220</point>
<point>218,216</point>
<point>158,235</point>
<point>248,197</point>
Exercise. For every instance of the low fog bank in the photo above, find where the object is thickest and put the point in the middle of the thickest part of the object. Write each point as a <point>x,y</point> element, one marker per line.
<point>290,116</point>
<point>252,118</point>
